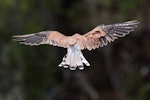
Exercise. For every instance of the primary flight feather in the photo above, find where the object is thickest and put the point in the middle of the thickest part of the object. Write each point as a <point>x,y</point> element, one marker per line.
<point>98,37</point>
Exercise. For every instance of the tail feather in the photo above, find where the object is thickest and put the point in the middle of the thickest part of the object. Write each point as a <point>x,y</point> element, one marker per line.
<point>84,60</point>
<point>79,62</point>
<point>73,59</point>
<point>63,62</point>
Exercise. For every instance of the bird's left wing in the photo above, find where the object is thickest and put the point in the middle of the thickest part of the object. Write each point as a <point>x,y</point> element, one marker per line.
<point>54,38</point>
<point>104,34</point>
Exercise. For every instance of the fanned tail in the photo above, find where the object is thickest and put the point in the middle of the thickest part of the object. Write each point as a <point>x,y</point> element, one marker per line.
<point>73,59</point>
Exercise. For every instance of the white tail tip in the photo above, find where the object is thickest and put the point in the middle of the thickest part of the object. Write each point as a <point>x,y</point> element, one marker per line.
<point>74,59</point>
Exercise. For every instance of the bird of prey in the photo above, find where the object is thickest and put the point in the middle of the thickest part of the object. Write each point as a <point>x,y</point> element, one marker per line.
<point>98,37</point>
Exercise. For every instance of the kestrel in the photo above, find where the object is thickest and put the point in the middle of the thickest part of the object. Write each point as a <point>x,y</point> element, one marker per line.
<point>98,37</point>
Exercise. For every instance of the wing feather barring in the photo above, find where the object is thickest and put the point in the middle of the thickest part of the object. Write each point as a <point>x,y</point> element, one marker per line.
<point>98,37</point>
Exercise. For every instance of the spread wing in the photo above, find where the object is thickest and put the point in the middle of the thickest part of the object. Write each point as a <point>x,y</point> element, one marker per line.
<point>104,34</point>
<point>45,37</point>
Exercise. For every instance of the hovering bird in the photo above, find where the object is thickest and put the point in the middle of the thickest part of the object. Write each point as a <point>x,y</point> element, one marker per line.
<point>98,37</point>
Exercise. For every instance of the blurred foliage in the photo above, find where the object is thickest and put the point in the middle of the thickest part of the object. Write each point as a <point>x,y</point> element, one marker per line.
<point>29,73</point>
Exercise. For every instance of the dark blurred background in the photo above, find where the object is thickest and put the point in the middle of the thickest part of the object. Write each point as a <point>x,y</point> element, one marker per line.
<point>120,71</point>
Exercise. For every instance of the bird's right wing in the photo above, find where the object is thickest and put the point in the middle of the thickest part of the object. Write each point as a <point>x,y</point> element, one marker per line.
<point>45,37</point>
<point>114,31</point>
<point>104,34</point>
